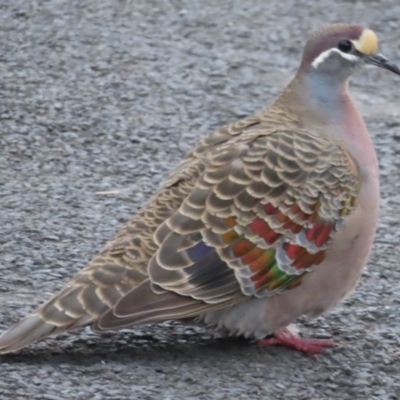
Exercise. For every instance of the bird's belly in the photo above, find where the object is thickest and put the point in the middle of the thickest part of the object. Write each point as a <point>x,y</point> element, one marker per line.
<point>322,289</point>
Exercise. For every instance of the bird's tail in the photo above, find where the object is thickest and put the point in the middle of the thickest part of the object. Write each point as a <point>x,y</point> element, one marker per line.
<point>28,330</point>
<point>57,315</point>
<point>92,292</point>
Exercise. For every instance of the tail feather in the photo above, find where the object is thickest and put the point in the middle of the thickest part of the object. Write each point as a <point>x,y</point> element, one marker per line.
<point>28,330</point>
<point>80,303</point>
<point>73,307</point>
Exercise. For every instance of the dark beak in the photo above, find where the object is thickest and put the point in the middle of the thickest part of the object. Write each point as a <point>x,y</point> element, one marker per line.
<point>383,62</point>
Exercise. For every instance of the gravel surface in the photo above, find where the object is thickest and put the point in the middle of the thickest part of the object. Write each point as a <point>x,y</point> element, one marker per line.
<point>99,100</point>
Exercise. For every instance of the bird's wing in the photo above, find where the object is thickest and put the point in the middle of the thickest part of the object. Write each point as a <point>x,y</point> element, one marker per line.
<point>259,217</point>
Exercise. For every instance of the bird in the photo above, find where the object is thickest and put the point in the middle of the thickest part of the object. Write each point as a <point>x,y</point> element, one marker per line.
<point>265,220</point>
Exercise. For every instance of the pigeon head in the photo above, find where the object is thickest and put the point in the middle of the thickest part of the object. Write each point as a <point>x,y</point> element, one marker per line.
<point>338,50</point>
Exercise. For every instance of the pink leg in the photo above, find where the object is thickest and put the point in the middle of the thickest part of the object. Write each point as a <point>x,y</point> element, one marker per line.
<point>285,338</point>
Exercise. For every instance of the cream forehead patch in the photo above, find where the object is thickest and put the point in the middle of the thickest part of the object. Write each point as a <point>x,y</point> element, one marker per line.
<point>368,42</point>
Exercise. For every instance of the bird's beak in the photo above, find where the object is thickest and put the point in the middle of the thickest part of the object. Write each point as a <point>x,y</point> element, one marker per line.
<point>380,61</point>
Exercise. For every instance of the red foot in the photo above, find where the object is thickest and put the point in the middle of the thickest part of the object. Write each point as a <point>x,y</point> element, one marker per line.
<point>285,338</point>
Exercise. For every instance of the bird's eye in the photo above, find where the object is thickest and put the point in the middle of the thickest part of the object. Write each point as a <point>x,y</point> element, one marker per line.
<point>345,45</point>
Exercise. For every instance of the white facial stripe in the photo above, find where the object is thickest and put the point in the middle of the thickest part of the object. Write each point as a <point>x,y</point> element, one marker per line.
<point>323,56</point>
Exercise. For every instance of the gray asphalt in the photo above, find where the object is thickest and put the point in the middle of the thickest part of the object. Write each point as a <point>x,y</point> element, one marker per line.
<point>98,101</point>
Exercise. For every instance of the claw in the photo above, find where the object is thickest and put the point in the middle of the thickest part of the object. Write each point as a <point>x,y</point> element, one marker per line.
<point>286,338</point>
